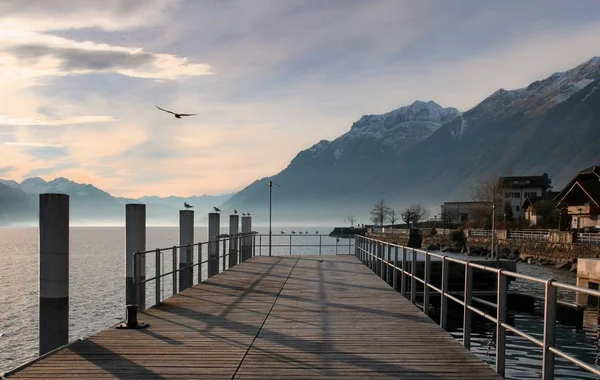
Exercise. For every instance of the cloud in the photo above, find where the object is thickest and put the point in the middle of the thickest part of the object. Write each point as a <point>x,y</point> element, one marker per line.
<point>32,144</point>
<point>49,121</point>
<point>110,15</point>
<point>4,170</point>
<point>31,55</point>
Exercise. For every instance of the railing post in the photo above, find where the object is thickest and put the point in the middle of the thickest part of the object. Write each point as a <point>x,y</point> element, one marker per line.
<point>349,244</point>
<point>260,245</point>
<point>247,239</point>
<point>174,270</point>
<point>234,229</point>
<point>200,263</point>
<point>388,277</point>
<point>395,271</point>
<point>337,239</point>
<point>444,299</point>
<point>186,238</point>
<point>380,259</point>
<point>427,278</point>
<point>413,278</point>
<point>157,276</point>
<point>403,276</point>
<point>290,245</point>
<point>320,245</point>
<point>549,331</point>
<point>224,254</point>
<point>135,241</point>
<point>501,316</point>
<point>214,221</point>
<point>468,298</point>
<point>54,271</point>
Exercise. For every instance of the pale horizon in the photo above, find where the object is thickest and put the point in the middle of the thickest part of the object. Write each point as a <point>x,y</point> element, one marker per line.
<point>268,79</point>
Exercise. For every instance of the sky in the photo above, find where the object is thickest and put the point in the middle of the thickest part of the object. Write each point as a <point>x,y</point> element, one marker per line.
<point>268,78</point>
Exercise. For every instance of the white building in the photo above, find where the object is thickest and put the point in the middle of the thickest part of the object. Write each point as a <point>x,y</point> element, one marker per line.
<point>516,189</point>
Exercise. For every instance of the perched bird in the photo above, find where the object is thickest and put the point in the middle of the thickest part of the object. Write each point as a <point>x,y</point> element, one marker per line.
<point>306,232</point>
<point>248,214</point>
<point>316,233</point>
<point>235,212</point>
<point>293,232</point>
<point>300,232</point>
<point>186,205</point>
<point>283,233</point>
<point>243,214</point>
<point>177,115</point>
<point>216,209</point>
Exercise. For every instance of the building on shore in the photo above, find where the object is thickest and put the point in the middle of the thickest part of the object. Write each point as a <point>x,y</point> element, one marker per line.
<point>458,213</point>
<point>536,208</point>
<point>581,197</point>
<point>516,189</point>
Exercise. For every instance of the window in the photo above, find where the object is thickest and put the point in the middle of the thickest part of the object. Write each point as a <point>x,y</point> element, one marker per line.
<point>517,208</point>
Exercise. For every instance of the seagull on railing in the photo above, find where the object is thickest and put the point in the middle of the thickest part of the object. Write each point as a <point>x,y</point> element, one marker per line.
<point>216,209</point>
<point>248,214</point>
<point>177,115</point>
<point>186,205</point>
<point>316,233</point>
<point>300,232</point>
<point>306,232</point>
<point>293,232</point>
<point>235,212</point>
<point>283,233</point>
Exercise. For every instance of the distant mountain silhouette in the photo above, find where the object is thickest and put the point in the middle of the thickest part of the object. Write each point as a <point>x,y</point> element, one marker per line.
<point>89,204</point>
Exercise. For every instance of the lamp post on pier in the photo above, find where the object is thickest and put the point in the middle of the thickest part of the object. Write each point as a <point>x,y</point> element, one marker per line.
<point>494,254</point>
<point>270,213</point>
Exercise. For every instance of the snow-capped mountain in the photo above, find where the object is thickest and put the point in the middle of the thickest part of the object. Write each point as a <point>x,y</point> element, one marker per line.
<point>550,126</point>
<point>401,126</point>
<point>539,95</point>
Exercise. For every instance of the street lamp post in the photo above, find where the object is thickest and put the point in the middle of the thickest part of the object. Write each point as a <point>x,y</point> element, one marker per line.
<point>494,254</point>
<point>270,208</point>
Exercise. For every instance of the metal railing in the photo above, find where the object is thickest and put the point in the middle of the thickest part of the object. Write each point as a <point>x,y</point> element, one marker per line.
<point>216,252</point>
<point>378,256</point>
<point>244,246</point>
<point>311,244</point>
<point>480,233</point>
<point>542,235</point>
<point>588,238</point>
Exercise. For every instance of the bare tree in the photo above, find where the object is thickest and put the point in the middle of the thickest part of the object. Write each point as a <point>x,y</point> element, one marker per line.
<point>351,219</point>
<point>489,191</point>
<point>414,214</point>
<point>392,218</point>
<point>380,212</point>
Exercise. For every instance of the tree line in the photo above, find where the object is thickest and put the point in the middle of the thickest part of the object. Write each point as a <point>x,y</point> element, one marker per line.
<point>412,215</point>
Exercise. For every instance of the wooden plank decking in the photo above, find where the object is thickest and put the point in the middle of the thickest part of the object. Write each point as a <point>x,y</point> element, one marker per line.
<point>274,317</point>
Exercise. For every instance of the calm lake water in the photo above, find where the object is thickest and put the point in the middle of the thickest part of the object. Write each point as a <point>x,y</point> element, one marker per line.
<point>98,296</point>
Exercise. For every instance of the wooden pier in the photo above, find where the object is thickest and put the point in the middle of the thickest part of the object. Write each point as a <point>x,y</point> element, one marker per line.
<point>274,317</point>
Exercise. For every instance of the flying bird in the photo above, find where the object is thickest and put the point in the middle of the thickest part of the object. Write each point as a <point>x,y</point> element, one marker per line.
<point>177,115</point>
<point>186,205</point>
<point>216,209</point>
<point>235,212</point>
